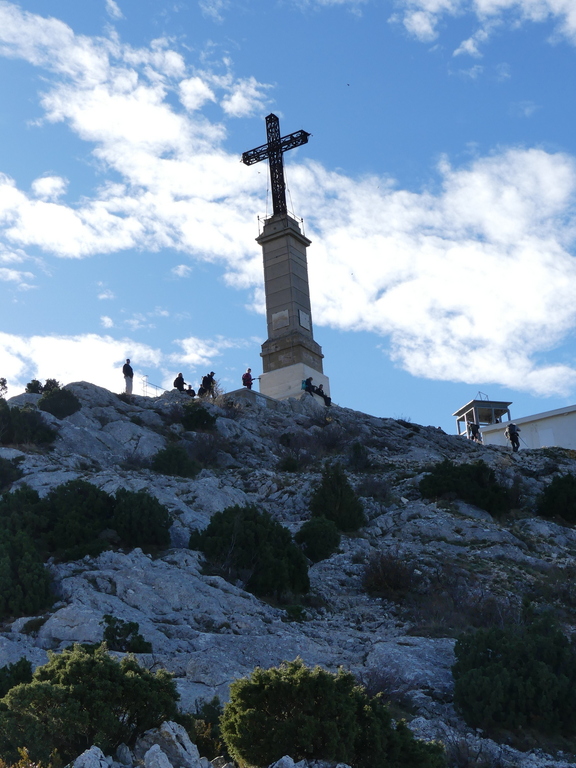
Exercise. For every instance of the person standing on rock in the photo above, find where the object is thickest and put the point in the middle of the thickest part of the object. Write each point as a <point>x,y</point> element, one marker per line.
<point>512,433</point>
<point>247,378</point>
<point>128,376</point>
<point>208,384</point>
<point>179,383</point>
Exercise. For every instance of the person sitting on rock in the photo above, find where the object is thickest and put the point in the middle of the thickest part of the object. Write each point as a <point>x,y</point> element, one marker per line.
<point>179,383</point>
<point>308,386</point>
<point>320,391</point>
<point>190,392</point>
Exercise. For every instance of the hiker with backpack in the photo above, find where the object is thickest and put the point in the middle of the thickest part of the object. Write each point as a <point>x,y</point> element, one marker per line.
<point>247,378</point>
<point>179,383</point>
<point>474,431</point>
<point>512,433</point>
<point>208,385</point>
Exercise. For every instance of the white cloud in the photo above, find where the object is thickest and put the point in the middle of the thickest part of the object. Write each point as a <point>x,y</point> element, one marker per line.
<point>194,93</point>
<point>106,321</point>
<point>49,187</point>
<point>523,108</point>
<point>99,359</point>
<point>447,277</point>
<point>421,17</point>
<point>213,8</point>
<point>113,10</point>
<point>182,270</point>
<point>106,295</point>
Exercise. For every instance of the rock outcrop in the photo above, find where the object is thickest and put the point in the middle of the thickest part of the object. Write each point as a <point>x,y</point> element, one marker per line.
<point>209,632</point>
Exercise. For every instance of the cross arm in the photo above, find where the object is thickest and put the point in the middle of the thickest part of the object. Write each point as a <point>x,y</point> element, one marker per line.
<point>286,142</point>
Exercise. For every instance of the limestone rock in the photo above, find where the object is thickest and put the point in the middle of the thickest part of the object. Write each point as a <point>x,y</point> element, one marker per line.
<point>167,745</point>
<point>91,758</point>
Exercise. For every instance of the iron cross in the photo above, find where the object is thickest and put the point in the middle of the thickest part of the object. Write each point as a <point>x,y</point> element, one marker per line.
<point>273,152</point>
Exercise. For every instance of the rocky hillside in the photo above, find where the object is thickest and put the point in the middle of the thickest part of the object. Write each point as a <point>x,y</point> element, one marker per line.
<point>451,566</point>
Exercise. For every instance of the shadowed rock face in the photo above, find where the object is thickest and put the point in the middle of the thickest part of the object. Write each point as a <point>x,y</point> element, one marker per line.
<point>466,568</point>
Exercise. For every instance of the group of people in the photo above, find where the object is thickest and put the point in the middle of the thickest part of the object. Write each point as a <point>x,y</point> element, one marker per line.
<point>319,390</point>
<point>511,433</point>
<point>207,387</point>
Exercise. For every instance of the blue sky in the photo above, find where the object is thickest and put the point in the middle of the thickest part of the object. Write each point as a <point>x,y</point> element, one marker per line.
<point>438,189</point>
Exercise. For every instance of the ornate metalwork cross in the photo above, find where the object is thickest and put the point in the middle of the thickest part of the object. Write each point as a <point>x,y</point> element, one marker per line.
<point>273,152</point>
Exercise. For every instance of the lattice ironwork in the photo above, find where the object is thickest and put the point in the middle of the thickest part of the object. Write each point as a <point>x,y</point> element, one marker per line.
<point>273,151</point>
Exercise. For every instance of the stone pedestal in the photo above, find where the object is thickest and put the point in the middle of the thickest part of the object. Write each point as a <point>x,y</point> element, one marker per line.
<point>287,382</point>
<point>290,353</point>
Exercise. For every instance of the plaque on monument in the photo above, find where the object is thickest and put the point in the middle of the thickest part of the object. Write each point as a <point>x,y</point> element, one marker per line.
<point>304,319</point>
<point>280,319</point>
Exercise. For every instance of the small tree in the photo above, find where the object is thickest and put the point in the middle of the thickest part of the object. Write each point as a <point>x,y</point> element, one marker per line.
<point>517,679</point>
<point>124,636</point>
<point>34,387</point>
<point>319,538</point>
<point>197,417</point>
<point>559,499</point>
<point>174,460</point>
<point>475,483</point>
<point>335,499</point>
<point>14,674</point>
<point>24,582</point>
<point>58,402</point>
<point>140,520</point>
<point>81,697</point>
<point>314,714</point>
<point>3,387</point>
<point>243,543</point>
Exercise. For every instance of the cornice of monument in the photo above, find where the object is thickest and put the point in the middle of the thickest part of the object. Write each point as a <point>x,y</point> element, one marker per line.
<point>279,225</point>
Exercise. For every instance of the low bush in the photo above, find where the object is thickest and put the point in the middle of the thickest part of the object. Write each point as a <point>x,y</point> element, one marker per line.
<point>14,674</point>
<point>72,521</point>
<point>82,697</point>
<point>359,458</point>
<point>207,733</point>
<point>517,679</point>
<point>559,499</point>
<point>140,520</point>
<point>242,543</point>
<point>389,575</point>
<point>23,425</point>
<point>475,483</point>
<point>319,538</point>
<point>24,582</point>
<point>335,499</point>
<point>174,460</point>
<point>9,472</point>
<point>315,714</point>
<point>59,402</point>
<point>197,417</point>
<point>120,635</point>
<point>34,387</point>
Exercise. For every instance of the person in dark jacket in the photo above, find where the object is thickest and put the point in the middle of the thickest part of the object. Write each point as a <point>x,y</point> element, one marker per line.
<point>128,376</point>
<point>512,433</point>
<point>179,383</point>
<point>247,378</point>
<point>208,384</point>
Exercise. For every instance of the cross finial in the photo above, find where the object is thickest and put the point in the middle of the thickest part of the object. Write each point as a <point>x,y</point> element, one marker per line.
<point>273,151</point>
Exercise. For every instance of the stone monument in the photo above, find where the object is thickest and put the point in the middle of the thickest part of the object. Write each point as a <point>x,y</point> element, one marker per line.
<point>289,355</point>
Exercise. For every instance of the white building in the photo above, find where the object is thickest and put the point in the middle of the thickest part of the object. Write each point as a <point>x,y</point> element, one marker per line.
<point>543,430</point>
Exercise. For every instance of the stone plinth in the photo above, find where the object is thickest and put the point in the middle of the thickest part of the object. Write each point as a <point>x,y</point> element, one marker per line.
<point>287,382</point>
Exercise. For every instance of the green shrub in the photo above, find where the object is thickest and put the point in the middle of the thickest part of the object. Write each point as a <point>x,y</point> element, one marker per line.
<point>289,463</point>
<point>6,430</point>
<point>174,460</point>
<point>335,499</point>
<point>314,714</point>
<point>124,636</point>
<point>517,679</point>
<point>197,417</point>
<point>24,582</point>
<point>77,513</point>
<point>559,499</point>
<point>359,458</point>
<point>207,734</point>
<point>14,674</point>
<point>140,520</point>
<point>3,386</point>
<point>243,543</point>
<point>50,385</point>
<point>59,402</point>
<point>34,387</point>
<point>9,472</point>
<point>27,426</point>
<point>474,483</point>
<point>81,697</point>
<point>319,538</point>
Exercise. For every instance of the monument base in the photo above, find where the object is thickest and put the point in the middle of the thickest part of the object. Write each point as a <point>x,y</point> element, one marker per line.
<point>287,382</point>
